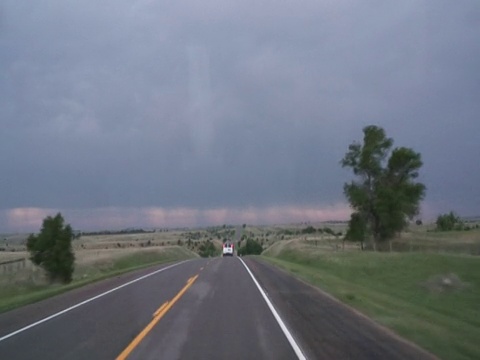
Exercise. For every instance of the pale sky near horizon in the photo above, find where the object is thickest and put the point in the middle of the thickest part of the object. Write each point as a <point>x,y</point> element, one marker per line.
<point>182,113</point>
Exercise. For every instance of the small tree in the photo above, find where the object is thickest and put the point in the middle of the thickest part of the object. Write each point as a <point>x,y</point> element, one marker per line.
<point>448,222</point>
<point>329,231</point>
<point>52,249</point>
<point>252,247</point>
<point>309,230</point>
<point>357,229</point>
<point>207,249</point>
<point>385,192</point>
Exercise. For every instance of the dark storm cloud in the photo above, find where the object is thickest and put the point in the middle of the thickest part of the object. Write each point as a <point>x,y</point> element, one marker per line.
<point>230,105</point>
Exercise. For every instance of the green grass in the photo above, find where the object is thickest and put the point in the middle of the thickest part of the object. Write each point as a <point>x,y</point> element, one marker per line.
<point>23,293</point>
<point>460,242</point>
<point>395,289</point>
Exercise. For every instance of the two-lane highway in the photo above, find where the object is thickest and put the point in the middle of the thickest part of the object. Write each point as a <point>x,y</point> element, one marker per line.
<point>220,315</point>
<point>198,309</point>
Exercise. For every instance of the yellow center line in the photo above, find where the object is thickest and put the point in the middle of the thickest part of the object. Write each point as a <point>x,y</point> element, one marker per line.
<point>162,310</point>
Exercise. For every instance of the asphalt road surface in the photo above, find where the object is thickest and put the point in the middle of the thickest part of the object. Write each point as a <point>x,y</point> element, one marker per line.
<point>219,308</point>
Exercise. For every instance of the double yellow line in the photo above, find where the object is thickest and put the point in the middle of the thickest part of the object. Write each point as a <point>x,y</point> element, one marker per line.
<point>157,315</point>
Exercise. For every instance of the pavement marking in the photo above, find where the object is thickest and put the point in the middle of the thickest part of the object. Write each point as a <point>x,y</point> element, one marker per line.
<point>280,322</point>
<point>158,315</point>
<point>159,310</point>
<point>86,302</point>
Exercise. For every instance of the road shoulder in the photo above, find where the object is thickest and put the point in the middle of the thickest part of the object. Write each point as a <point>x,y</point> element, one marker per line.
<point>324,327</point>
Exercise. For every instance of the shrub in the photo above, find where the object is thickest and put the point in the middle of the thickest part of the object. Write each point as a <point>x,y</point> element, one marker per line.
<point>309,230</point>
<point>207,249</point>
<point>449,222</point>
<point>52,249</point>
<point>329,231</point>
<point>252,247</point>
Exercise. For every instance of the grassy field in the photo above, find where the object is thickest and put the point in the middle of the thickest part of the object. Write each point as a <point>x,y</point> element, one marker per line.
<point>427,289</point>
<point>96,257</point>
<point>25,283</point>
<point>459,242</point>
<point>430,298</point>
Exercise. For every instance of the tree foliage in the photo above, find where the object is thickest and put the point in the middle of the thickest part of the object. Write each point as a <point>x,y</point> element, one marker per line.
<point>449,222</point>
<point>309,230</point>
<point>207,249</point>
<point>357,229</point>
<point>384,194</point>
<point>329,231</point>
<point>251,247</point>
<point>52,249</point>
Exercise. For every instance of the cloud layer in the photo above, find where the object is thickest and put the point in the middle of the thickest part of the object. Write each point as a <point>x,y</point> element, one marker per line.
<point>237,105</point>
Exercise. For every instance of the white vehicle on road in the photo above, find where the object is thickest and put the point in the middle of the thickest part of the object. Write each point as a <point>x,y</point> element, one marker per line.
<point>228,249</point>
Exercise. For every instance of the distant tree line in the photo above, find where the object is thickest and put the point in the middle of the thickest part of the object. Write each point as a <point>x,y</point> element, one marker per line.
<point>118,232</point>
<point>308,230</point>
<point>325,230</point>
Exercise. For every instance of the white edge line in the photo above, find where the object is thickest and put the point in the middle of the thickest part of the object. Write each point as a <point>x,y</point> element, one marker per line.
<point>86,302</point>
<point>280,322</point>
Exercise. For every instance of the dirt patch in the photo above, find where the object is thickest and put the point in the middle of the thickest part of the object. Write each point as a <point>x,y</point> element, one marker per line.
<point>444,283</point>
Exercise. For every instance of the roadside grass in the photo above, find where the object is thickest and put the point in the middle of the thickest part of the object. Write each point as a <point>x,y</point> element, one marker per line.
<point>460,242</point>
<point>430,299</point>
<point>110,241</point>
<point>23,289</point>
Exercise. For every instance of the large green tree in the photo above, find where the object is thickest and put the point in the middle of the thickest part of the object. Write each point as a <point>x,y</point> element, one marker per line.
<point>385,193</point>
<point>52,249</point>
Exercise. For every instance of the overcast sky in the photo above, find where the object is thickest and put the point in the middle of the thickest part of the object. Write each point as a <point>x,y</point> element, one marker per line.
<point>122,113</point>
